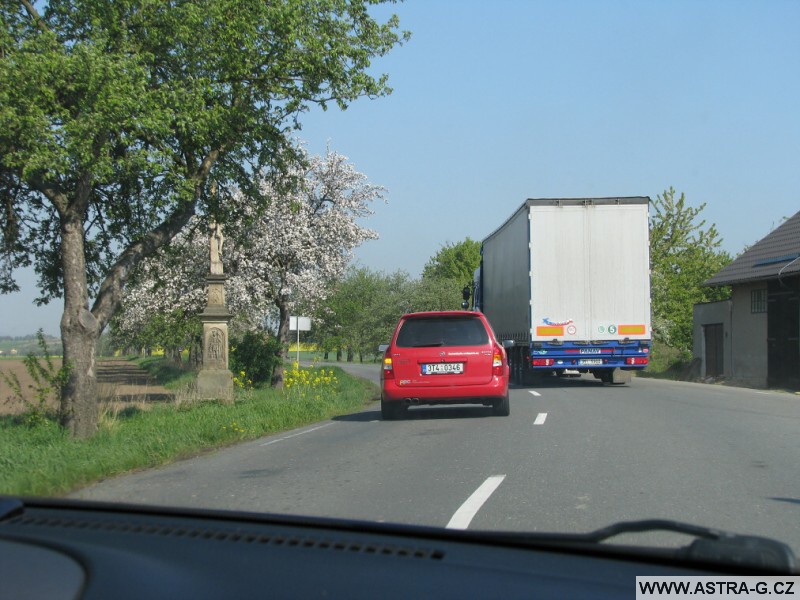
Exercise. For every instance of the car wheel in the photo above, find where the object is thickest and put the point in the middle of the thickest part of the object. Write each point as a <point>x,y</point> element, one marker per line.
<point>502,407</point>
<point>391,411</point>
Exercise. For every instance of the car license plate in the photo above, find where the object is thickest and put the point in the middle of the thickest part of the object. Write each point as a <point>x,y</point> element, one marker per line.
<point>590,361</point>
<point>442,368</point>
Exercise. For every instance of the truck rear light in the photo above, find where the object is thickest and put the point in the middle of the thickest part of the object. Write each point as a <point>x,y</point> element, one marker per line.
<point>497,363</point>
<point>636,360</point>
<point>388,369</point>
<point>542,362</point>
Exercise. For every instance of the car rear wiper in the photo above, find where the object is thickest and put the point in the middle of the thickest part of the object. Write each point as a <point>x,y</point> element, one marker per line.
<point>432,345</point>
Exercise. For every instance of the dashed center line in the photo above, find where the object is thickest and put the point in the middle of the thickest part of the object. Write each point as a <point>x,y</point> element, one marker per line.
<point>540,418</point>
<point>467,511</point>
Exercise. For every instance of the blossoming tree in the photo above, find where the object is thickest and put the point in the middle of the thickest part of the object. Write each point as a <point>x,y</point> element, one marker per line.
<point>276,257</point>
<point>117,118</point>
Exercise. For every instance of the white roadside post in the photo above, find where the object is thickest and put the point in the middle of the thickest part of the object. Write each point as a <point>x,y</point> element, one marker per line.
<point>299,324</point>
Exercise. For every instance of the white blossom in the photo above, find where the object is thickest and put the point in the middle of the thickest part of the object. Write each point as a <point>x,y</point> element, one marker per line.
<point>278,255</point>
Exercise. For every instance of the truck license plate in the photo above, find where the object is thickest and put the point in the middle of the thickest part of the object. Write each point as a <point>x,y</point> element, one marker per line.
<point>442,368</point>
<point>590,361</point>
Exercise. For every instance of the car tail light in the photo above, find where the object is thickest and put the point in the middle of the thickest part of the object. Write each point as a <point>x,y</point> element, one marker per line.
<point>497,363</point>
<point>388,369</point>
<point>542,362</point>
<point>636,360</point>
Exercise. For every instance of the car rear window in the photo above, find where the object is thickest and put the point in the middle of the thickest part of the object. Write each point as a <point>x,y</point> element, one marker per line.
<point>442,331</point>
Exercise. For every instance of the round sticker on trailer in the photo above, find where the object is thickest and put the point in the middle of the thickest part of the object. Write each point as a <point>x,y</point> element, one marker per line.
<point>601,329</point>
<point>612,329</point>
<point>571,330</point>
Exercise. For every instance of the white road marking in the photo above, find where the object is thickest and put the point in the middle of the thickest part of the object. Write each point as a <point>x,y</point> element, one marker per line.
<point>286,437</point>
<point>540,419</point>
<point>467,511</point>
<point>534,393</point>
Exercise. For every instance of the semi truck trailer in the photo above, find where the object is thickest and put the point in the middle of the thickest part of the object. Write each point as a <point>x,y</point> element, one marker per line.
<point>565,283</point>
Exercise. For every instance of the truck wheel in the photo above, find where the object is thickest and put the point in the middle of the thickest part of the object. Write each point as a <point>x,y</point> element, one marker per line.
<point>620,377</point>
<point>533,377</point>
<point>516,367</point>
<point>614,376</point>
<point>502,408</point>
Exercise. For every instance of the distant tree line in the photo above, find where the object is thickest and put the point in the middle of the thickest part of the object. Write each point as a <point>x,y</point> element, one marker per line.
<point>354,314</point>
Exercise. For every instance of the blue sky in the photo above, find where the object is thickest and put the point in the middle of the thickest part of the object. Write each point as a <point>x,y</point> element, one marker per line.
<point>496,102</point>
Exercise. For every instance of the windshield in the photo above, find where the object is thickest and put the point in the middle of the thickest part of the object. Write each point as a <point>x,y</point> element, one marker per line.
<point>217,235</point>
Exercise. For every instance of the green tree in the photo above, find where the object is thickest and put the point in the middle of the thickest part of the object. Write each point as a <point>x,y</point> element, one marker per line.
<point>119,120</point>
<point>454,261</point>
<point>362,311</point>
<point>445,275</point>
<point>366,305</point>
<point>173,331</point>
<point>428,293</point>
<point>684,252</point>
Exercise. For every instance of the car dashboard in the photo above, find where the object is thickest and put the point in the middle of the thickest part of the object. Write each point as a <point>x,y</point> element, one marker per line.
<point>68,549</point>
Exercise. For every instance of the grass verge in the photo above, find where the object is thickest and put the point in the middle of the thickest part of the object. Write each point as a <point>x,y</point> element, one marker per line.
<point>42,460</point>
<point>166,373</point>
<point>667,362</point>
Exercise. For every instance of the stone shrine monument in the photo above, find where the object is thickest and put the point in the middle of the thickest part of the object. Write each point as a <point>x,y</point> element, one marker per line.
<point>214,381</point>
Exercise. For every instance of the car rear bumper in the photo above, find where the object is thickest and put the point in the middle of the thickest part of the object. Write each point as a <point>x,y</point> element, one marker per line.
<point>490,392</point>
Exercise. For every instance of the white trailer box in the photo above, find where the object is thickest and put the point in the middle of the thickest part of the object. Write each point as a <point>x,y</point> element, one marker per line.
<point>568,277</point>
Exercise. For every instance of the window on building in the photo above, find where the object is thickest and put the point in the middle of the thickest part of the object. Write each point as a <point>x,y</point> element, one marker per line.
<point>758,301</point>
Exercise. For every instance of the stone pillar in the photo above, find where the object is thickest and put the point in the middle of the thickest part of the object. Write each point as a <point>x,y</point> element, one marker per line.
<point>214,381</point>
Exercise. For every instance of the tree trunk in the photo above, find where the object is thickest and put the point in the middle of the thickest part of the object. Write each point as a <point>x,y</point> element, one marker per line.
<point>80,326</point>
<point>196,354</point>
<point>79,335</point>
<point>282,303</point>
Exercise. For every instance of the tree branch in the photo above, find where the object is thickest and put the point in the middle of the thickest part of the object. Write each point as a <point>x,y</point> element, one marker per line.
<point>53,193</point>
<point>34,15</point>
<point>110,294</point>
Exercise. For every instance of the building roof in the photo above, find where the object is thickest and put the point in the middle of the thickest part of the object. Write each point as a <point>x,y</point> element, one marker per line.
<point>776,255</point>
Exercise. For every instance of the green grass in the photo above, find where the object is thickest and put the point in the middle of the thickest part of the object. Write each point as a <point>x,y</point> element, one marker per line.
<point>666,362</point>
<point>172,376</point>
<point>43,460</point>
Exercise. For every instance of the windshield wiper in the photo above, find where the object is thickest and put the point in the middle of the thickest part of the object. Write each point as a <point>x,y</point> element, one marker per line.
<point>709,546</point>
<point>432,345</point>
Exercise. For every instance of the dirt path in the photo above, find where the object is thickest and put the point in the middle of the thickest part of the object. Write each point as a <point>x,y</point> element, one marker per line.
<point>119,380</point>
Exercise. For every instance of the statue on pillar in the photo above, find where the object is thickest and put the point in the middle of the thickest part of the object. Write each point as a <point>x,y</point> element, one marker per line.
<point>215,382</point>
<point>215,244</point>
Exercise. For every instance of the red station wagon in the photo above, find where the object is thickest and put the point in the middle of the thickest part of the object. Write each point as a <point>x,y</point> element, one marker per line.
<point>447,357</point>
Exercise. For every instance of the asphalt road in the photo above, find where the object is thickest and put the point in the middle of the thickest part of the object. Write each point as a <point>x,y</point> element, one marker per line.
<point>574,455</point>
